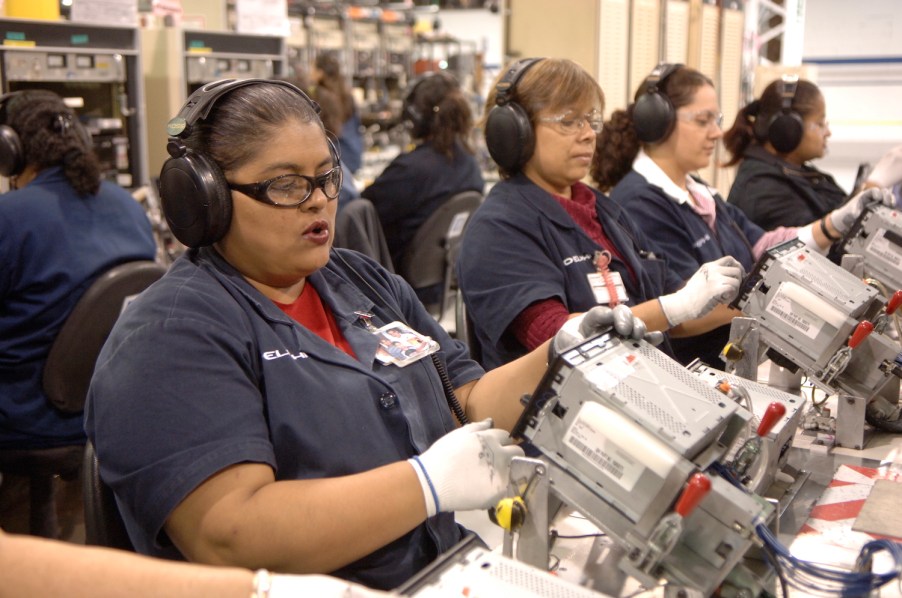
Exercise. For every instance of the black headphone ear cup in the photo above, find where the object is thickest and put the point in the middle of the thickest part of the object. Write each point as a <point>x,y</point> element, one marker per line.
<point>653,116</point>
<point>12,155</point>
<point>509,136</point>
<point>196,199</point>
<point>785,131</point>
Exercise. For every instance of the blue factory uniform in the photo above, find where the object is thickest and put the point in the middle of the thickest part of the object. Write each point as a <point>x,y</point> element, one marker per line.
<point>687,242</point>
<point>521,247</point>
<point>53,244</point>
<point>414,185</point>
<point>235,380</point>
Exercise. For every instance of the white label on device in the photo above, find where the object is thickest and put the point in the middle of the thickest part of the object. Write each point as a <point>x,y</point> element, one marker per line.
<point>883,248</point>
<point>795,315</point>
<point>586,438</point>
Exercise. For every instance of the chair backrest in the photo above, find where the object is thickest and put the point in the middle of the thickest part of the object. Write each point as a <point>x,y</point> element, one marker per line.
<point>427,260</point>
<point>70,362</point>
<point>103,523</point>
<point>358,227</point>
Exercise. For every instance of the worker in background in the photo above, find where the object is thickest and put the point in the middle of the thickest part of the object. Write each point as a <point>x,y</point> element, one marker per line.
<point>441,164</point>
<point>327,73</point>
<point>244,410</point>
<point>773,140</point>
<point>60,228</point>
<point>648,157</point>
<point>330,113</point>
<point>544,245</point>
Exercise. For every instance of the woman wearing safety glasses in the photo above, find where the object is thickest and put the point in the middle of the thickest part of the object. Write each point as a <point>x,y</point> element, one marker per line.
<point>246,411</point>
<point>648,157</point>
<point>544,245</point>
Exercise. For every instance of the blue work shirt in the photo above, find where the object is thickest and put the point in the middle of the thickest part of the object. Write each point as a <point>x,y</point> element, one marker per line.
<point>521,247</point>
<point>687,242</point>
<point>203,372</point>
<point>350,143</point>
<point>414,185</point>
<point>53,245</point>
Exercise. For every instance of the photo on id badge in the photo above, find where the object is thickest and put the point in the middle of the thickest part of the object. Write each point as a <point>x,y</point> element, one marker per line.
<point>401,345</point>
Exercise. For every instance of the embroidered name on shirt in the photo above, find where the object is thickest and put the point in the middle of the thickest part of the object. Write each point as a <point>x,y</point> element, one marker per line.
<point>698,243</point>
<point>575,259</point>
<point>278,354</point>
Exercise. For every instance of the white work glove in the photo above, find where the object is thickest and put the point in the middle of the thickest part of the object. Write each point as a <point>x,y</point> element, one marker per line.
<point>844,216</point>
<point>321,586</point>
<point>467,468</point>
<point>596,320</point>
<point>714,283</point>
<point>888,170</point>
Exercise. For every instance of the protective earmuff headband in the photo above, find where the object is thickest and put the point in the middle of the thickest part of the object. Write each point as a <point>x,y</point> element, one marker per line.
<point>653,113</point>
<point>194,194</point>
<point>786,128</point>
<point>201,102</point>
<point>508,131</point>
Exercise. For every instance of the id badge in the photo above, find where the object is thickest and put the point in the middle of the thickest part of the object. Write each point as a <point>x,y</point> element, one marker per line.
<point>600,289</point>
<point>401,345</point>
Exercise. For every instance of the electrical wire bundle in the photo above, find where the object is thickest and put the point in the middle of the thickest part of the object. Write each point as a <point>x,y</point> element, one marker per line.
<point>822,580</point>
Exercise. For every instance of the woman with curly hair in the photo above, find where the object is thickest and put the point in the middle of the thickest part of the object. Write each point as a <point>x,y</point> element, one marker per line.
<point>648,157</point>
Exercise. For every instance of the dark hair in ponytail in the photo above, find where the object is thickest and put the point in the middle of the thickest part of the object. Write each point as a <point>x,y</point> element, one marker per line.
<point>751,122</point>
<point>742,133</point>
<point>618,144</point>
<point>615,149</point>
<point>445,115</point>
<point>52,136</point>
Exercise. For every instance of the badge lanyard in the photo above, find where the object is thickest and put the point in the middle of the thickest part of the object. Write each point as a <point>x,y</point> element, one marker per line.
<point>607,286</point>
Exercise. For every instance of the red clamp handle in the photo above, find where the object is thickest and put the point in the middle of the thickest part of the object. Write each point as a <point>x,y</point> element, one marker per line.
<point>894,302</point>
<point>861,332</point>
<point>696,488</point>
<point>774,412</point>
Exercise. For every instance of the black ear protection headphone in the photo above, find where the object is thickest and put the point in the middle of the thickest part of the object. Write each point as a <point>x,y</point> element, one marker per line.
<point>410,112</point>
<point>653,112</point>
<point>508,131</point>
<point>12,152</point>
<point>785,129</point>
<point>194,194</point>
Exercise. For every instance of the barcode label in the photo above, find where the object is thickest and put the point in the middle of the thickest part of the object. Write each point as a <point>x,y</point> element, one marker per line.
<point>883,248</point>
<point>796,316</point>
<point>612,462</point>
<point>600,459</point>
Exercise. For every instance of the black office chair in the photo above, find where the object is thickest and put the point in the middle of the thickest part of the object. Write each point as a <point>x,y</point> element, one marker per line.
<point>358,227</point>
<point>67,374</point>
<point>427,262</point>
<point>103,523</point>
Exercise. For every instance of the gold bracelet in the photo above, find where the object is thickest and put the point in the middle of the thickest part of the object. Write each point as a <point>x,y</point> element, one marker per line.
<point>262,584</point>
<point>827,234</point>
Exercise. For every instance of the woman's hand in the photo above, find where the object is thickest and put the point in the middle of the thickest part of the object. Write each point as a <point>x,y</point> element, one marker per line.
<point>714,283</point>
<point>598,319</point>
<point>843,217</point>
<point>888,169</point>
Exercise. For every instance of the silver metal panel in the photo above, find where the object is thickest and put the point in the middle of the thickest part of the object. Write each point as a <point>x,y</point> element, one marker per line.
<point>877,237</point>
